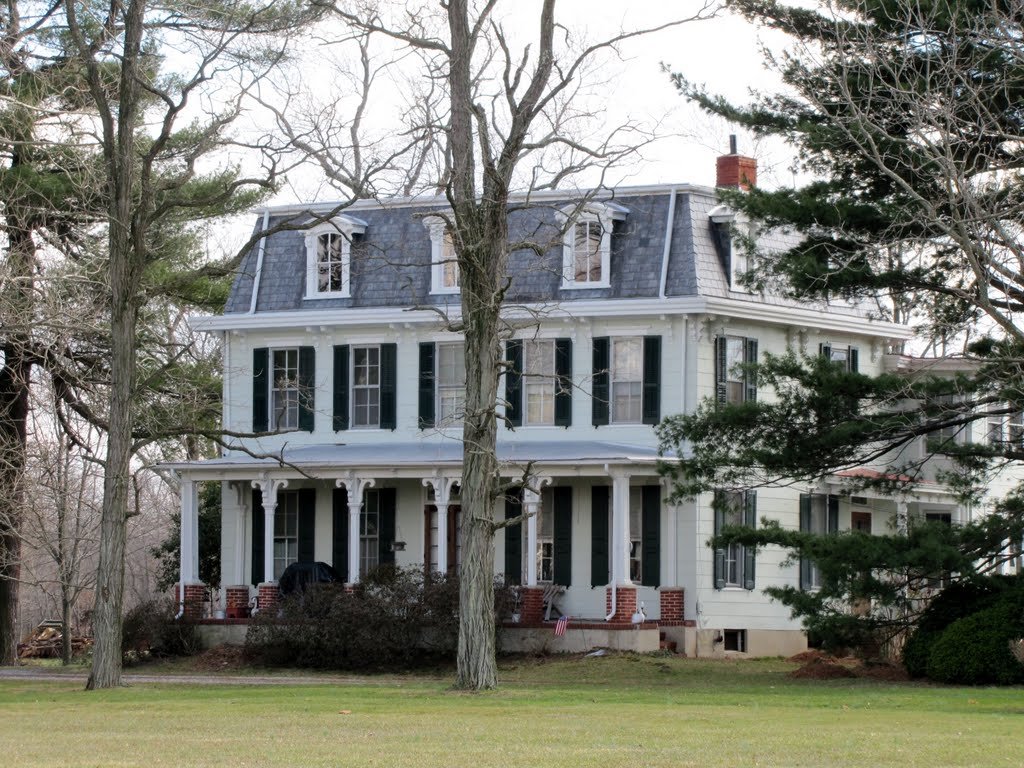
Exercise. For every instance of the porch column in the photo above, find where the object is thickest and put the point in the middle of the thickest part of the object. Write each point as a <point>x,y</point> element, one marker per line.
<point>355,487</point>
<point>620,528</point>
<point>442,486</point>
<point>671,535</point>
<point>268,487</point>
<point>531,506</point>
<point>901,515</point>
<point>189,531</point>
<point>242,505</point>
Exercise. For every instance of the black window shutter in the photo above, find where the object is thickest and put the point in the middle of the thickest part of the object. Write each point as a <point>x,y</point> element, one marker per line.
<point>650,535</point>
<point>388,386</point>
<point>307,388</point>
<point>749,376</point>
<point>651,399</point>
<point>721,369</point>
<point>718,506</point>
<point>307,525</point>
<point>426,390</point>
<point>599,575</point>
<point>386,539</point>
<point>340,419</point>
<point>514,537</point>
<point>339,536</point>
<point>599,383</point>
<point>563,384</point>
<point>562,509</point>
<point>750,520</point>
<point>832,524</point>
<point>854,360</point>
<point>260,389</point>
<point>805,526</point>
<point>257,537</point>
<point>825,350</point>
<point>514,383</point>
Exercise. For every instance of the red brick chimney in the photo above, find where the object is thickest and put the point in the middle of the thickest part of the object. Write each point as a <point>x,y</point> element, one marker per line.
<point>735,170</point>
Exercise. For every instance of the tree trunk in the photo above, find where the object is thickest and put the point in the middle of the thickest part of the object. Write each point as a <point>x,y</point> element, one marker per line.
<point>65,621</point>
<point>15,381</point>
<point>127,250</point>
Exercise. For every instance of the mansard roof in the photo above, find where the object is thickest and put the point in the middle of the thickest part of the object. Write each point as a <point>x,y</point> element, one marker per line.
<point>390,260</point>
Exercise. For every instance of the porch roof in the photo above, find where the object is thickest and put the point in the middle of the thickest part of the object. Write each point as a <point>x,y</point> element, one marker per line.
<point>425,456</point>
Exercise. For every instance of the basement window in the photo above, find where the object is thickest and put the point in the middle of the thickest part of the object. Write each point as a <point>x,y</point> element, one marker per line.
<point>735,640</point>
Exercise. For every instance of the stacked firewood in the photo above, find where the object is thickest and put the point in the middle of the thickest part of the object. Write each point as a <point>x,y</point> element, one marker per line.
<point>46,641</point>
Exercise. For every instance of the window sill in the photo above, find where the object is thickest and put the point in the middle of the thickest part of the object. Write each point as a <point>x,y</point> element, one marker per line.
<point>445,291</point>
<point>328,295</point>
<point>573,286</point>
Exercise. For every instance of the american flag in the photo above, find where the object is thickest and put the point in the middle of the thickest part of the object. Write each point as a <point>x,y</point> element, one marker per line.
<point>561,625</point>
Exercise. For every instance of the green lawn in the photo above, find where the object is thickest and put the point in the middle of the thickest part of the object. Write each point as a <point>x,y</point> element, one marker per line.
<point>613,711</point>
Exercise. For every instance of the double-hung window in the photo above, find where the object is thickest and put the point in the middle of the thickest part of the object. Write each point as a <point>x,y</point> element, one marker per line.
<point>843,355</point>
<point>819,515</point>
<point>451,383</point>
<point>735,381</point>
<point>284,393</point>
<point>444,262</point>
<point>369,533</point>
<point>539,381</point>
<point>587,244</point>
<point>734,562</point>
<point>284,388</point>
<point>627,380</point>
<point>286,531</point>
<point>329,257</point>
<point>365,386</point>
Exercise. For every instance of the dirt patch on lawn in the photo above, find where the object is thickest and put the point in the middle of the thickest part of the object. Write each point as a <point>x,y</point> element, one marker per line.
<point>816,665</point>
<point>220,657</point>
<point>822,669</point>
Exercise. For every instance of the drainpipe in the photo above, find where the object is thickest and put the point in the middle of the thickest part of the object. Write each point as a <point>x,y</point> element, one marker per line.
<point>670,220</point>
<point>615,594</point>
<point>259,263</point>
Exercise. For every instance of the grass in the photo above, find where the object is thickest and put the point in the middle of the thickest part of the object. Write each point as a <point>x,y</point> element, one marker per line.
<point>611,711</point>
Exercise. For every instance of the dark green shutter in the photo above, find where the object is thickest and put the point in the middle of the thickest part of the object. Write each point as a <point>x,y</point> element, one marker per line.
<point>388,386</point>
<point>307,525</point>
<point>260,389</point>
<point>805,526</point>
<point>721,369</point>
<point>386,538</point>
<point>854,360</point>
<point>514,537</point>
<point>386,500</point>
<point>339,536</point>
<point>651,399</point>
<point>599,526</point>
<point>832,523</point>
<point>563,383</point>
<point>257,537</point>
<point>650,536</point>
<point>599,383</point>
<point>718,506</point>
<point>750,376</point>
<point>825,350</point>
<point>514,383</point>
<point>340,419</point>
<point>750,520</point>
<point>562,509</point>
<point>307,388</point>
<point>427,396</point>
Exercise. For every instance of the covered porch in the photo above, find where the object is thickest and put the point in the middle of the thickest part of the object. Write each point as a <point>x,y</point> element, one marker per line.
<point>596,525</point>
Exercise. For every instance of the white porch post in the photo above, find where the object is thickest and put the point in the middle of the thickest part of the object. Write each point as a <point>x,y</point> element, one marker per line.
<point>531,506</point>
<point>901,515</point>
<point>241,504</point>
<point>269,486</point>
<point>355,487</point>
<point>620,528</point>
<point>189,531</point>
<point>671,535</point>
<point>442,486</point>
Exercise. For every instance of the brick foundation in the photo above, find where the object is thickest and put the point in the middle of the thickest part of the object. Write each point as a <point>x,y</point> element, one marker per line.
<point>236,601</point>
<point>624,609</point>
<point>268,595</point>
<point>671,603</point>
<point>531,606</point>
<point>194,594</point>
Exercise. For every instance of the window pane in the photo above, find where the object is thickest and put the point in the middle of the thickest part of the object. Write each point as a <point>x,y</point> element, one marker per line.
<point>587,252</point>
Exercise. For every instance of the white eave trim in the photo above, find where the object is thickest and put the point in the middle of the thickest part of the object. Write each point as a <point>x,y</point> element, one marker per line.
<point>574,308</point>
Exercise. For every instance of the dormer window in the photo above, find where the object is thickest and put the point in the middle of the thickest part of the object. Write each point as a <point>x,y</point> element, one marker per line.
<point>725,226</point>
<point>587,248</point>
<point>444,263</point>
<point>329,257</point>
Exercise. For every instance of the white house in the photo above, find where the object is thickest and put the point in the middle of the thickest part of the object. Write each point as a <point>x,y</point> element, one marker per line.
<point>335,356</point>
